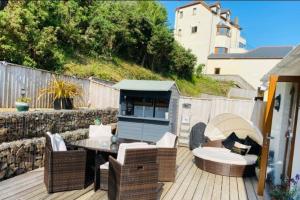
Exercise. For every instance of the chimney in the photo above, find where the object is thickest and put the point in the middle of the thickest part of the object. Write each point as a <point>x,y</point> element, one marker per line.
<point>236,21</point>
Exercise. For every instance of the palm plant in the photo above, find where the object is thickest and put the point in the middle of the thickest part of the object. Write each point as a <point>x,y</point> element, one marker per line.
<point>61,90</point>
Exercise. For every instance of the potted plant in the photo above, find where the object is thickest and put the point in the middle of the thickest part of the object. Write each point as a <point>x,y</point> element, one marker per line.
<point>287,190</point>
<point>63,93</point>
<point>22,104</point>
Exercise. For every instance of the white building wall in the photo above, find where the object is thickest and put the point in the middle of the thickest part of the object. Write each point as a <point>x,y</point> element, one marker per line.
<point>204,41</point>
<point>199,42</point>
<point>252,70</point>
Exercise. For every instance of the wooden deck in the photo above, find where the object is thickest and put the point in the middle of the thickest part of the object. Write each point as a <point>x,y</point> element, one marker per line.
<point>191,183</point>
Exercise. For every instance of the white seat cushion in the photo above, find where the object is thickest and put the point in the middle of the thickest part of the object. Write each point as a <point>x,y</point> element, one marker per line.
<point>57,142</point>
<point>134,145</point>
<point>102,132</point>
<point>167,141</point>
<point>223,155</point>
<point>104,166</point>
<point>53,142</point>
<point>60,144</point>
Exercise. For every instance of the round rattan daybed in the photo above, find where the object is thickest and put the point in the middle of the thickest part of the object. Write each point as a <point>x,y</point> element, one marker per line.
<point>214,158</point>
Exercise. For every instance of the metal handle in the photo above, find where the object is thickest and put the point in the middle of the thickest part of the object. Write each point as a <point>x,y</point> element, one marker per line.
<point>270,137</point>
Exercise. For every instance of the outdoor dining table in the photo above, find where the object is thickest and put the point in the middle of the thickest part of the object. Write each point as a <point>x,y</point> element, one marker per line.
<point>98,152</point>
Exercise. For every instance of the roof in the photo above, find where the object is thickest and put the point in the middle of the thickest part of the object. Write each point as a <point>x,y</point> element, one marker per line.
<point>225,11</point>
<point>258,53</point>
<point>188,5</point>
<point>217,3</point>
<point>144,85</point>
<point>288,66</point>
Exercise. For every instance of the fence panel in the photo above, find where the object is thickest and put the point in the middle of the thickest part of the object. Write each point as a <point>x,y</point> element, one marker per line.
<point>14,78</point>
<point>203,110</point>
<point>103,96</point>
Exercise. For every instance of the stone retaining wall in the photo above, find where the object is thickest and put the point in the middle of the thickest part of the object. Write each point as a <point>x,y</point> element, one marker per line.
<point>20,156</point>
<point>22,140</point>
<point>20,125</point>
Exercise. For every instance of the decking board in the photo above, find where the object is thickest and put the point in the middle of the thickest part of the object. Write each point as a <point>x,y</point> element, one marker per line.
<point>191,183</point>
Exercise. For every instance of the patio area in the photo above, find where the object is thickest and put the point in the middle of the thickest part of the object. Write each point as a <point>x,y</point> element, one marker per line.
<point>191,183</point>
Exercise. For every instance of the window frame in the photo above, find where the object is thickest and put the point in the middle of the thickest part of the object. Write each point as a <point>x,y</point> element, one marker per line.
<point>194,11</point>
<point>194,29</point>
<point>217,71</point>
<point>225,33</point>
<point>179,32</point>
<point>242,45</point>
<point>217,50</point>
<point>181,14</point>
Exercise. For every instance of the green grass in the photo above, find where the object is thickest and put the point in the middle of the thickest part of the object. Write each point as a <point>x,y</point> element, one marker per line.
<point>118,69</point>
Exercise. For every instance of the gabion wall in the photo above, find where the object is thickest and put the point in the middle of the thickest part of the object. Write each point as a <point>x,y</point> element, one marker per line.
<point>22,140</point>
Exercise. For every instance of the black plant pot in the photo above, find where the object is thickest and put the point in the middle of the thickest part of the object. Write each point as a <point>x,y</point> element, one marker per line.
<point>63,103</point>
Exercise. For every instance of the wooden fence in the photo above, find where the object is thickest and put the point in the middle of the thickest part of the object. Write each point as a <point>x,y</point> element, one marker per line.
<point>98,94</point>
<point>194,110</point>
<point>14,78</point>
<point>103,96</point>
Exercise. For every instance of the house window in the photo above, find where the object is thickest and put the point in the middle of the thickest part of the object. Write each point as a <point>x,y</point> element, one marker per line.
<point>181,14</point>
<point>241,45</point>
<point>179,32</point>
<point>221,50</point>
<point>217,70</point>
<point>223,31</point>
<point>194,29</point>
<point>194,11</point>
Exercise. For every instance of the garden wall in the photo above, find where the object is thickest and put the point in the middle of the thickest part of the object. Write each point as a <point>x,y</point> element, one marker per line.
<point>20,156</point>
<point>20,125</point>
<point>22,140</point>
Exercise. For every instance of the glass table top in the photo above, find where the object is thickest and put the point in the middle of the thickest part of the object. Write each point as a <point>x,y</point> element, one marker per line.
<point>97,145</point>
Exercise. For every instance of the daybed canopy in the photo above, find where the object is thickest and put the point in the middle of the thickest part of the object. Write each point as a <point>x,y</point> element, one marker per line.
<point>224,124</point>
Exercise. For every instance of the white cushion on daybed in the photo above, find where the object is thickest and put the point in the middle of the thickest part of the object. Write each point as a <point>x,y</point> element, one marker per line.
<point>223,155</point>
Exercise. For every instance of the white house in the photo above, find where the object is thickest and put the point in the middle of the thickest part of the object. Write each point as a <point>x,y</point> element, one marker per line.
<point>207,29</point>
<point>251,65</point>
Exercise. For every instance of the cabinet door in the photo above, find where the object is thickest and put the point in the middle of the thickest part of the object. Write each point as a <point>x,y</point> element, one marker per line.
<point>154,131</point>
<point>130,130</point>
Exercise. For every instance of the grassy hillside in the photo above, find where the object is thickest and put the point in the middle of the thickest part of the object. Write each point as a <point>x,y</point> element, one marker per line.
<point>117,69</point>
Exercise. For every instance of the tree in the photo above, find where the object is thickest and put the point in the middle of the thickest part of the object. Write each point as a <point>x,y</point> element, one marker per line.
<point>182,61</point>
<point>44,34</point>
<point>199,70</point>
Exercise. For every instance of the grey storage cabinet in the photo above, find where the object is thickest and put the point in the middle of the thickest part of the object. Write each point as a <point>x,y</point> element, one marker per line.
<point>147,110</point>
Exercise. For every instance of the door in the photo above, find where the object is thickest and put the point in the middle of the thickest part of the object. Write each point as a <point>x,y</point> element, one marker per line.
<point>279,130</point>
<point>282,132</point>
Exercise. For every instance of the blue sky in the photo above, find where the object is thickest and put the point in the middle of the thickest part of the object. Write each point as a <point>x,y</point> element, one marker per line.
<point>264,23</point>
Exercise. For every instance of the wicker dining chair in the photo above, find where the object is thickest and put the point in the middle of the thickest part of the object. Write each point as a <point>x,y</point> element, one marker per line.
<point>63,170</point>
<point>167,163</point>
<point>137,178</point>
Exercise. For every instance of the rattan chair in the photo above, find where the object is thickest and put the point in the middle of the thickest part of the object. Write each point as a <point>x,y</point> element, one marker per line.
<point>137,178</point>
<point>63,170</point>
<point>167,163</point>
